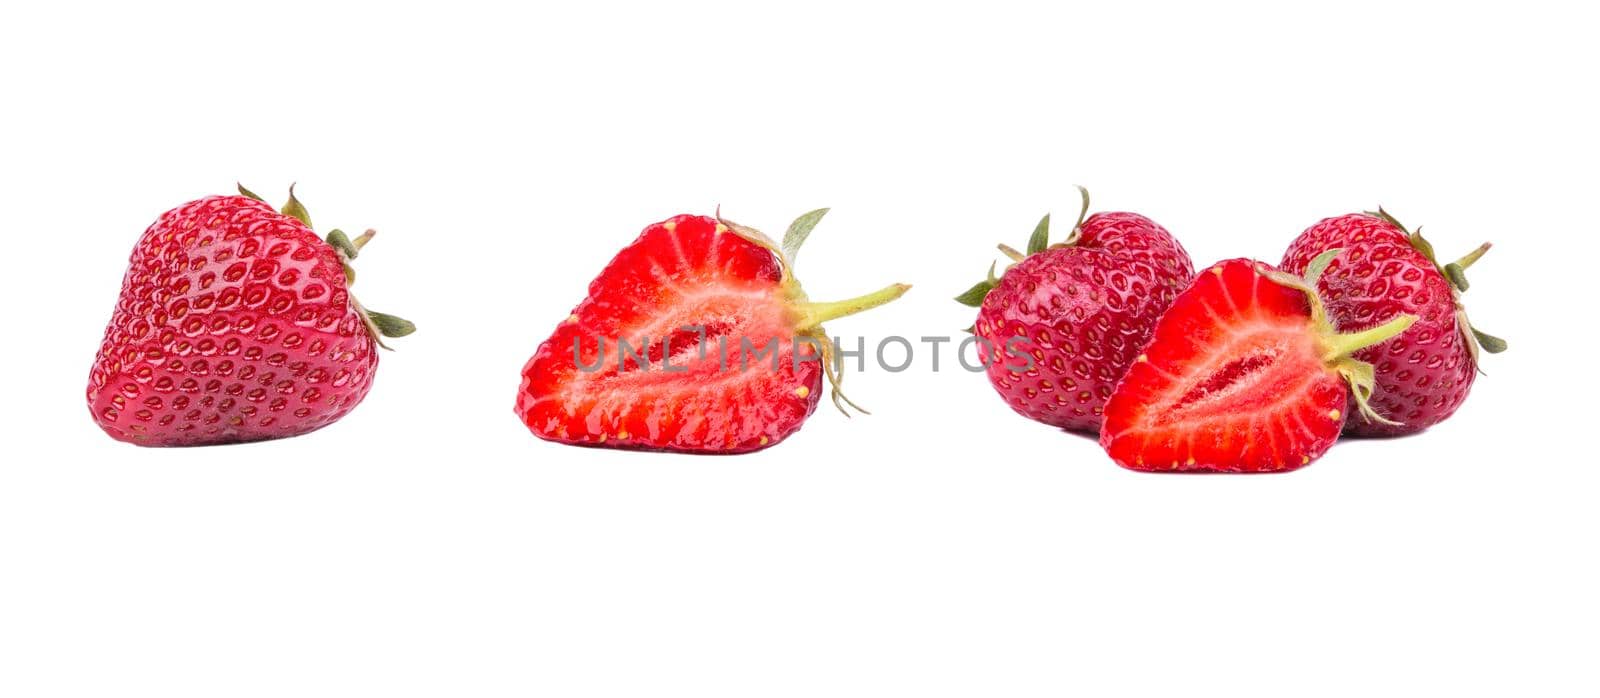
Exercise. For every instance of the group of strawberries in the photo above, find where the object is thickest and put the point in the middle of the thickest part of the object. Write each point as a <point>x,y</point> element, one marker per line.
<point>236,323</point>
<point>1244,367</point>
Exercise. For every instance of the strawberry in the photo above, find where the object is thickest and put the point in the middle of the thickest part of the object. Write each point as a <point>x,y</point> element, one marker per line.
<point>1423,375</point>
<point>235,324</point>
<point>1062,324</point>
<point>1244,373</point>
<point>696,338</point>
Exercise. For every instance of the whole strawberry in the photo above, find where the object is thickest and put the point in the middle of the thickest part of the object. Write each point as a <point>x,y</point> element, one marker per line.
<point>1059,328</point>
<point>1424,374</point>
<point>1244,373</point>
<point>696,338</point>
<point>235,324</point>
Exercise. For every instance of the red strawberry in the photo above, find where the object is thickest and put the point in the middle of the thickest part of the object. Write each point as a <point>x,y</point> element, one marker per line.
<point>1061,325</point>
<point>1243,373</point>
<point>1385,271</point>
<point>698,301</point>
<point>235,324</point>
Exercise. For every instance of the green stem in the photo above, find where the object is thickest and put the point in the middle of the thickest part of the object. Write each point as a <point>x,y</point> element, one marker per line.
<point>1339,346</point>
<point>814,314</point>
<point>1473,256</point>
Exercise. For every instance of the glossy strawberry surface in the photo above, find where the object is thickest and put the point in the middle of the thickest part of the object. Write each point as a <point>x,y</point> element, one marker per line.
<point>234,324</point>
<point>1233,380</point>
<point>1061,326</point>
<point>1132,236</point>
<point>1078,318</point>
<point>699,305</point>
<point>1425,374</point>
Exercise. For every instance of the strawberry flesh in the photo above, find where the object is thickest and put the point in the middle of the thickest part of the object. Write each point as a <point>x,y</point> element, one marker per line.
<point>718,359</point>
<point>1234,379</point>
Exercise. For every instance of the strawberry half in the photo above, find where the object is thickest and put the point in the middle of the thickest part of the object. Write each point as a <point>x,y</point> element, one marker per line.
<point>696,338</point>
<point>235,323</point>
<point>1244,373</point>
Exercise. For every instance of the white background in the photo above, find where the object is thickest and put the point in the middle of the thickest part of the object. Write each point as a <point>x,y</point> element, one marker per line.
<point>428,545</point>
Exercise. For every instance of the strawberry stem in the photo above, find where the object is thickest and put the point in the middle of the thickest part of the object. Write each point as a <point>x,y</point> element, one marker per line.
<point>814,314</point>
<point>1473,256</point>
<point>1339,346</point>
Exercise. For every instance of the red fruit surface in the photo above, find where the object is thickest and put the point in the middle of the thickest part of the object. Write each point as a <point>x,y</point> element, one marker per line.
<point>680,275</point>
<point>1080,313</point>
<point>1132,236</point>
<point>234,324</point>
<point>1233,380</point>
<point>1425,374</point>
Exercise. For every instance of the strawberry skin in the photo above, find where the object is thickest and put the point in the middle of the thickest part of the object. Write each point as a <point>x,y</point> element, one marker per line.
<point>1082,316</point>
<point>1425,374</point>
<point>1062,324</point>
<point>235,323</point>
<point>696,298</point>
<point>1132,236</point>
<point>1242,374</point>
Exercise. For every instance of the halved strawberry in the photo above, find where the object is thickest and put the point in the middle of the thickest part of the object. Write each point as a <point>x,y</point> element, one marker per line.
<point>1244,373</point>
<point>695,338</point>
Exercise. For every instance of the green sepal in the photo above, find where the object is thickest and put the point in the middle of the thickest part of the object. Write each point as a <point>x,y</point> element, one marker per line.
<point>1422,245</point>
<point>1319,264</point>
<point>973,297</point>
<point>247,193</point>
<point>761,240</point>
<point>1083,215</point>
<point>1040,238</point>
<point>798,231</point>
<point>296,210</point>
<point>1386,216</point>
<point>1489,342</point>
<point>391,326</point>
<point>1083,211</point>
<point>1362,379</point>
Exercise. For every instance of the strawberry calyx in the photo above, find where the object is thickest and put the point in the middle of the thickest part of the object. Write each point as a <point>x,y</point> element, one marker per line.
<point>1456,273</point>
<point>809,315</point>
<point>379,325</point>
<point>1338,347</point>
<point>1038,242</point>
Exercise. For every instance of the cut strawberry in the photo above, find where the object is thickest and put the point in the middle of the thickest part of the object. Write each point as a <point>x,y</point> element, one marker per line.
<point>695,338</point>
<point>1243,373</point>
